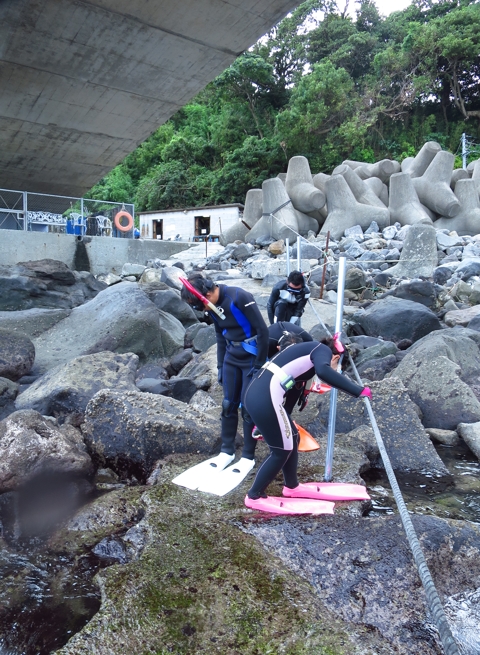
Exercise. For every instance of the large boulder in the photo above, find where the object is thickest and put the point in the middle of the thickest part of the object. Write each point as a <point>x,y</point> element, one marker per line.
<point>436,372</point>
<point>169,301</point>
<point>67,388</point>
<point>8,393</point>
<point>32,322</point>
<point>120,319</point>
<point>45,283</point>
<point>420,291</point>
<point>407,444</point>
<point>130,431</point>
<point>32,445</point>
<point>395,319</point>
<point>17,354</point>
<point>419,253</point>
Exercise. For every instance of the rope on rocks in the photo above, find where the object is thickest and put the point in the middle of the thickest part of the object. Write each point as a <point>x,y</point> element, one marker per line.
<point>433,600</point>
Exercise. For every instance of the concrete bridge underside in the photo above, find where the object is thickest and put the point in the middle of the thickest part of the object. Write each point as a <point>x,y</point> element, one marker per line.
<point>83,83</point>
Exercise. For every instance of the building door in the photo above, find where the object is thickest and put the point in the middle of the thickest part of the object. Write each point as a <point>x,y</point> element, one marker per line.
<point>157,227</point>
<point>202,226</point>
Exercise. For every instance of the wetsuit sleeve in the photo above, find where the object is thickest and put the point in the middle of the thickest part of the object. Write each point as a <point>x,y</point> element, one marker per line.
<point>274,296</point>
<point>250,308</point>
<point>321,357</point>
<point>221,345</point>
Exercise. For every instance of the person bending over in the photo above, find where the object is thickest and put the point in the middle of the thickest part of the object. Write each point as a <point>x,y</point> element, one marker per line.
<point>288,299</point>
<point>264,400</point>
<point>242,345</point>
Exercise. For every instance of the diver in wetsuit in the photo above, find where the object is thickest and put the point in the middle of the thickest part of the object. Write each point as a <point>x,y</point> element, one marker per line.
<point>242,345</point>
<point>264,402</point>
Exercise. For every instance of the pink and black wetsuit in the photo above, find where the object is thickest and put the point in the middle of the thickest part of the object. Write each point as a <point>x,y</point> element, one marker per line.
<point>264,401</point>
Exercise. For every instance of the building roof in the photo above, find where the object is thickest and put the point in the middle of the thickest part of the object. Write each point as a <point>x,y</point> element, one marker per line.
<point>189,209</point>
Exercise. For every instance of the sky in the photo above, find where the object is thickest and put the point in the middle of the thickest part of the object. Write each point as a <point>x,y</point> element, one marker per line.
<point>385,7</point>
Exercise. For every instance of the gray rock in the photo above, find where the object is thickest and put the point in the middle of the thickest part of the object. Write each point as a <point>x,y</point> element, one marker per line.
<point>419,253</point>
<point>8,393</point>
<point>442,274</point>
<point>355,280</point>
<point>170,302</point>
<point>377,369</point>
<point>445,437</point>
<point>395,319</point>
<point>171,275</point>
<point>470,433</point>
<point>17,354</point>
<point>120,319</point>
<point>66,389</point>
<point>191,332</point>
<point>270,281</point>
<point>462,317</point>
<point>130,431</point>
<point>45,284</point>
<point>377,351</point>
<point>133,269</point>
<point>31,322</point>
<point>475,323</point>
<point>437,371</point>
<point>204,339</point>
<point>242,252</point>
<point>32,445</point>
<point>154,371</point>
<point>420,291</point>
<point>406,442</point>
<point>468,269</point>
<point>181,359</point>
<point>307,251</point>
<point>341,556</point>
<point>203,402</point>
<point>445,241</point>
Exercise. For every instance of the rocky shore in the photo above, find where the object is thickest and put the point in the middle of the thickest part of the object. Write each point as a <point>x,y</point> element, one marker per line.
<point>108,386</point>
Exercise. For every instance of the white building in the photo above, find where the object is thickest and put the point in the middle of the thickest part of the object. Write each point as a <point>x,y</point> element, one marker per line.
<point>190,224</point>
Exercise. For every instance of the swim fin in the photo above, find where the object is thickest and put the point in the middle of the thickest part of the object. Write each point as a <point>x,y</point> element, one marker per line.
<point>226,480</point>
<point>194,476</point>
<point>327,491</point>
<point>277,505</point>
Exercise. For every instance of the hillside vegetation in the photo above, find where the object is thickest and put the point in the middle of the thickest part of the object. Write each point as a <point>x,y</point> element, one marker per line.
<point>322,85</point>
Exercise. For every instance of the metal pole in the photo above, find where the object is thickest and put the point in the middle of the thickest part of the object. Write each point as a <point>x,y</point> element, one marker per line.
<point>287,246</point>
<point>299,256</point>
<point>464,151</point>
<point>324,264</point>
<point>342,266</point>
<point>25,211</point>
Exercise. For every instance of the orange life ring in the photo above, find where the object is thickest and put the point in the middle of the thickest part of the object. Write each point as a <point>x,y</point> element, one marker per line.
<point>119,226</point>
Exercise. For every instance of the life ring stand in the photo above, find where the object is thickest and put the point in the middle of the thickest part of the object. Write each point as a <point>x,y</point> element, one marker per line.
<point>119,226</point>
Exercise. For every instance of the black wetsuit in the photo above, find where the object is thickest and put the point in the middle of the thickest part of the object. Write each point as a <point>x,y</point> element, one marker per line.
<point>242,345</point>
<point>264,402</point>
<point>286,305</point>
<point>275,332</point>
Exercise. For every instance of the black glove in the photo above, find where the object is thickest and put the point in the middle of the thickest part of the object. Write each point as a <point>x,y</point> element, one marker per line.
<point>220,374</point>
<point>302,401</point>
<point>253,371</point>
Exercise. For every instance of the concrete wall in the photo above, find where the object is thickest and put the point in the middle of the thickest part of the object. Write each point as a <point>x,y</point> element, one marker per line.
<point>94,254</point>
<point>84,83</point>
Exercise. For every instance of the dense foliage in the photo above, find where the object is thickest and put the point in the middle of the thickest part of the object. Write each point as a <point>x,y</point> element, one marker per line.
<point>320,84</point>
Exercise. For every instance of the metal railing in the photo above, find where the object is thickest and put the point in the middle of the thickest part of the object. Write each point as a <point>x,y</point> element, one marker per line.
<point>40,212</point>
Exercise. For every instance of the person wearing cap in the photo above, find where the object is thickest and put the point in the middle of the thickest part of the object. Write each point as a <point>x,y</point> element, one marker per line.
<point>264,402</point>
<point>288,299</point>
<point>242,346</point>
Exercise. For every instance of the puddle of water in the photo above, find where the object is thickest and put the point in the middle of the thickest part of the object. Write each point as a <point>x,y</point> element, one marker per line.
<point>459,500</point>
<point>44,600</point>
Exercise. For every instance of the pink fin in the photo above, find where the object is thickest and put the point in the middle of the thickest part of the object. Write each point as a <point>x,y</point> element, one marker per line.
<point>277,505</point>
<point>328,491</point>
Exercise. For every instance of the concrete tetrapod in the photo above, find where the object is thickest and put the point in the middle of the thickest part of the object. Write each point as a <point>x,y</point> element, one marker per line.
<point>344,211</point>
<point>304,195</point>
<point>253,209</point>
<point>277,202</point>
<point>419,253</point>
<point>379,188</point>
<point>416,166</point>
<point>362,191</point>
<point>236,232</point>
<point>476,175</point>
<point>433,187</point>
<point>458,174</point>
<point>404,204</point>
<point>467,221</point>
<point>382,169</point>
